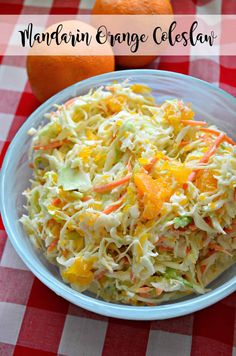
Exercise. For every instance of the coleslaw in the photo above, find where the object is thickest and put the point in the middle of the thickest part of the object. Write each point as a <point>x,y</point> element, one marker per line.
<point>132,200</point>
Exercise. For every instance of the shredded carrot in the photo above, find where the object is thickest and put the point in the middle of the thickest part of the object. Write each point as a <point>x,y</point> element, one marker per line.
<point>208,139</point>
<point>159,291</point>
<point>162,238</point>
<point>188,250</point>
<point>129,167</point>
<point>183,143</point>
<point>145,295</point>
<point>69,102</point>
<point>84,199</point>
<point>203,268</point>
<point>153,161</point>
<point>149,166</point>
<point>216,247</point>
<point>228,230</point>
<point>56,202</point>
<point>207,156</point>
<point>31,165</point>
<point>112,185</point>
<point>210,253</point>
<point>99,275</point>
<point>144,290</point>
<point>132,277</point>
<point>65,253</point>
<point>193,123</point>
<point>192,227</point>
<point>212,149</point>
<point>159,240</point>
<point>112,208</point>
<point>66,104</point>
<point>165,248</point>
<point>125,261</point>
<point>219,248</point>
<point>216,133</point>
<point>52,245</point>
<point>54,144</point>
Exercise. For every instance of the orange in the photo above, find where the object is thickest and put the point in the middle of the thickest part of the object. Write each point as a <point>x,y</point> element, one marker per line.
<point>64,65</point>
<point>178,171</point>
<point>133,7</point>
<point>153,193</point>
<point>205,181</point>
<point>80,271</point>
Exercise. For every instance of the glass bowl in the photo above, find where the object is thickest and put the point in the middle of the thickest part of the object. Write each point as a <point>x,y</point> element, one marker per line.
<point>209,103</point>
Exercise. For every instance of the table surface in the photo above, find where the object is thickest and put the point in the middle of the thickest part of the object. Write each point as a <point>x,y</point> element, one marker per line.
<point>35,321</point>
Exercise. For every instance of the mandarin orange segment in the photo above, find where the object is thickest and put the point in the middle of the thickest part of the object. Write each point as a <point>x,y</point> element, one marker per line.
<point>178,170</point>
<point>80,271</point>
<point>143,182</point>
<point>153,193</point>
<point>205,181</point>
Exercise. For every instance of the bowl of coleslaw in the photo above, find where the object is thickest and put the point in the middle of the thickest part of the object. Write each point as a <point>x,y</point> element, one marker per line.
<point>128,206</point>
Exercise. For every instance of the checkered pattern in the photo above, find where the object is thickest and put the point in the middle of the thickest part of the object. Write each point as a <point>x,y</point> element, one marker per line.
<point>35,321</point>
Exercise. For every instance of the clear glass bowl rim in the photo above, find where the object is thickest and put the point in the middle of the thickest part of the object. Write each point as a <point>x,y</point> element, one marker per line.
<point>98,306</point>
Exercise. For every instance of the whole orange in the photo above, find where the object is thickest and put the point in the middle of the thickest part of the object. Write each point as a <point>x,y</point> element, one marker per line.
<point>133,7</point>
<point>64,65</point>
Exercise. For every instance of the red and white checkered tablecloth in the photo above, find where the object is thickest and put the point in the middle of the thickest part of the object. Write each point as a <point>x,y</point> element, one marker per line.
<point>35,321</point>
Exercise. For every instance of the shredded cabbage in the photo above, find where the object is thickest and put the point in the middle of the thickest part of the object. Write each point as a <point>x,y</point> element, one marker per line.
<point>112,204</point>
